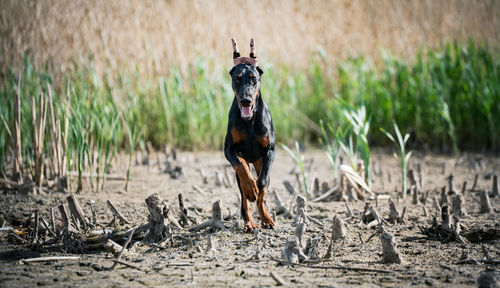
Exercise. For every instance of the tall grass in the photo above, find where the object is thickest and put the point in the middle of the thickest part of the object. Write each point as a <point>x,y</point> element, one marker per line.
<point>190,111</point>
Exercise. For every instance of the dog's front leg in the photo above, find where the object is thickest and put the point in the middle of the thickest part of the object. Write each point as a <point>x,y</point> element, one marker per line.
<point>246,184</point>
<point>263,167</point>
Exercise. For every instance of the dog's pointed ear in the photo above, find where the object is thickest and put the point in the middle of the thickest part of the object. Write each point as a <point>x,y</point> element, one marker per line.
<point>260,70</point>
<point>231,71</point>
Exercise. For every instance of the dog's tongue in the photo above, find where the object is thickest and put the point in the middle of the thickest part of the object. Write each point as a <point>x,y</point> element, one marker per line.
<point>246,112</point>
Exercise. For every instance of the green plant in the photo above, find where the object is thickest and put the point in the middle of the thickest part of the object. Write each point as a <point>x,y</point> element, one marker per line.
<point>78,142</point>
<point>332,148</point>
<point>404,156</point>
<point>299,159</point>
<point>133,135</point>
<point>445,112</point>
<point>361,126</point>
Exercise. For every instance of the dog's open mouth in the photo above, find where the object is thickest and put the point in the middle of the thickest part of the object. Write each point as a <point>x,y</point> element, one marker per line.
<point>247,111</point>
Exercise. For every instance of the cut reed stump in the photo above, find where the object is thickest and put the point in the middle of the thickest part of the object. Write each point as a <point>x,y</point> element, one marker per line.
<point>451,189</point>
<point>435,202</point>
<point>494,188</point>
<point>444,197</point>
<point>65,218</point>
<point>289,187</point>
<point>485,205</point>
<point>312,248</point>
<point>415,195</point>
<point>158,213</point>
<point>216,222</point>
<point>292,252</point>
<point>116,212</point>
<point>183,214</point>
<point>458,205</point>
<point>77,211</point>
<point>446,231</point>
<point>280,207</point>
<point>370,216</point>
<point>487,279</point>
<point>390,252</point>
<point>394,216</point>
<point>339,231</point>
<point>300,214</point>
<point>300,230</point>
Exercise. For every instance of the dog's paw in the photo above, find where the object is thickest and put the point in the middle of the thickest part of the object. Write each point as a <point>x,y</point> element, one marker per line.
<point>267,223</point>
<point>250,226</point>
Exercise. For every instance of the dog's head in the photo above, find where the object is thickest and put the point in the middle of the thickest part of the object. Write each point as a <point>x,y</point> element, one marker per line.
<point>246,81</point>
<point>246,87</point>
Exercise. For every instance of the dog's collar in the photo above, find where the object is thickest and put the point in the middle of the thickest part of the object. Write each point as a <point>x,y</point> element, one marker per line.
<point>240,60</point>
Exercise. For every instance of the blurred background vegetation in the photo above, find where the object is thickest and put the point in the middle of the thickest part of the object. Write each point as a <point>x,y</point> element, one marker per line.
<point>158,69</point>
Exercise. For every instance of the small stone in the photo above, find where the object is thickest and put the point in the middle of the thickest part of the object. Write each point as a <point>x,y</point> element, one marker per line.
<point>487,280</point>
<point>429,282</point>
<point>82,273</point>
<point>448,279</point>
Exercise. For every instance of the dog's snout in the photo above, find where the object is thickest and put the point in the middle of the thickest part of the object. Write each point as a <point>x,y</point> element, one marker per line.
<point>245,101</point>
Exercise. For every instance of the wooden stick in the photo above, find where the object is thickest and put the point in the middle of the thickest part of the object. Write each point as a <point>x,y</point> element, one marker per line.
<point>317,222</point>
<point>53,220</point>
<point>117,235</point>
<point>127,264</point>
<point>336,267</point>
<point>327,193</point>
<point>76,210</point>
<point>123,249</point>
<point>113,247</point>
<point>8,182</point>
<point>289,187</point>
<point>35,229</point>
<point>349,211</point>
<point>279,280</point>
<point>195,187</point>
<point>65,216</point>
<point>183,215</point>
<point>49,258</point>
<point>474,184</point>
<point>116,212</point>
<point>47,226</point>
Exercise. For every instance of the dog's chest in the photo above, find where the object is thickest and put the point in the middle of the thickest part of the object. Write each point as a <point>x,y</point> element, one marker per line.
<point>251,143</point>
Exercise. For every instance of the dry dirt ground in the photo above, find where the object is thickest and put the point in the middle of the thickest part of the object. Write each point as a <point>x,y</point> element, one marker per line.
<point>426,262</point>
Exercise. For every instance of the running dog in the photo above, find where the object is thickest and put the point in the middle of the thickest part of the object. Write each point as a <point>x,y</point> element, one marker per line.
<point>250,137</point>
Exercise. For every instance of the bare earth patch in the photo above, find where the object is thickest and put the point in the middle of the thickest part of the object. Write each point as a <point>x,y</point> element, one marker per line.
<point>233,260</point>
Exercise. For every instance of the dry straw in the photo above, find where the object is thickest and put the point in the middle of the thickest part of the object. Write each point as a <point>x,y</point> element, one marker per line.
<point>156,35</point>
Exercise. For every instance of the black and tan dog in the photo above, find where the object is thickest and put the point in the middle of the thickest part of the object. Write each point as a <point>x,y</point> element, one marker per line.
<point>250,137</point>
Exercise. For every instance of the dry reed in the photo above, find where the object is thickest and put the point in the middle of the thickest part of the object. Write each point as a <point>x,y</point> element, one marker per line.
<point>156,35</point>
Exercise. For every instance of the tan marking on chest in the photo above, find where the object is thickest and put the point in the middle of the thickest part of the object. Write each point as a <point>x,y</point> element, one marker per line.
<point>237,135</point>
<point>263,141</point>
